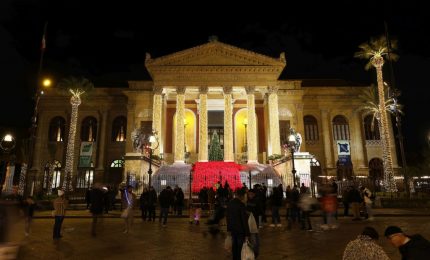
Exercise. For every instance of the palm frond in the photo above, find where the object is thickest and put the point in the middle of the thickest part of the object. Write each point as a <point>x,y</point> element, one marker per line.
<point>75,86</point>
<point>376,47</point>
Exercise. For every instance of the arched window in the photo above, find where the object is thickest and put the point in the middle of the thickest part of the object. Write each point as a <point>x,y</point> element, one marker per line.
<point>340,128</point>
<point>119,129</point>
<point>86,177</point>
<point>56,175</point>
<point>344,170</point>
<point>376,173</point>
<point>89,129</point>
<point>57,128</point>
<point>371,133</point>
<point>311,128</point>
<point>46,176</point>
<point>117,164</point>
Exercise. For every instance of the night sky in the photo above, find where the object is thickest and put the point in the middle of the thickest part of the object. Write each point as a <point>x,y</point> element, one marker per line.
<point>106,42</point>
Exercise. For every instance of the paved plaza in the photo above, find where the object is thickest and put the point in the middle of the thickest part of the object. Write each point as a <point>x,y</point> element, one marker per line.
<point>180,240</point>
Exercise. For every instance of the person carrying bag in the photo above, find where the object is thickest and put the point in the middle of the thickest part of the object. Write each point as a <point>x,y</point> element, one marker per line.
<point>128,202</point>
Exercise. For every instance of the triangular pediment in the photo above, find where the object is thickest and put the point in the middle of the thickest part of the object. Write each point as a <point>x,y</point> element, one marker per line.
<point>215,53</point>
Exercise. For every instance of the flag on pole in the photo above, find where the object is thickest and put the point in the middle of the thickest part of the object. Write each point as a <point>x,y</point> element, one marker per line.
<point>43,45</point>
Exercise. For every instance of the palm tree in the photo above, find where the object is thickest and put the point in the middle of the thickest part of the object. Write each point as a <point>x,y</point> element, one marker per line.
<point>371,107</point>
<point>374,51</point>
<point>77,87</point>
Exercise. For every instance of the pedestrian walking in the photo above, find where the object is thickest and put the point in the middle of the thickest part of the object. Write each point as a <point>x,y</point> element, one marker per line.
<point>410,247</point>
<point>152,203</point>
<point>60,204</point>
<point>166,200</point>
<point>28,213</point>
<point>88,197</point>
<point>365,247</point>
<point>144,203</point>
<point>237,223</point>
<point>128,201</point>
<point>97,202</point>
<point>366,193</point>
<point>306,205</point>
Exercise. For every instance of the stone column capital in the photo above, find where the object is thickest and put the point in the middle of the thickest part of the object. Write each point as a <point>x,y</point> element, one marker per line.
<point>158,90</point>
<point>250,90</point>
<point>203,89</point>
<point>180,90</point>
<point>272,89</point>
<point>227,89</point>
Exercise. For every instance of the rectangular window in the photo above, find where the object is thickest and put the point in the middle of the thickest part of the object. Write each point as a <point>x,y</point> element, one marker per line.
<point>284,130</point>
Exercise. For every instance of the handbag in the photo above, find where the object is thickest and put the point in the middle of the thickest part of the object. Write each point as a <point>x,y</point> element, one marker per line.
<point>228,243</point>
<point>125,213</point>
<point>247,252</point>
<point>252,224</point>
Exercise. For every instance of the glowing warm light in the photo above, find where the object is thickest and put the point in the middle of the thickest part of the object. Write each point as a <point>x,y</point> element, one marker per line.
<point>292,139</point>
<point>8,138</point>
<point>152,139</point>
<point>245,121</point>
<point>47,83</point>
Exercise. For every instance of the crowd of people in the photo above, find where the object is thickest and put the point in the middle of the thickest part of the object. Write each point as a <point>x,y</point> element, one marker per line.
<point>244,213</point>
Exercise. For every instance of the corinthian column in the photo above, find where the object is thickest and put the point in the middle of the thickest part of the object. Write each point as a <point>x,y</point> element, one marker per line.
<point>156,114</point>
<point>203,125</point>
<point>325,121</point>
<point>228,125</point>
<point>275,142</point>
<point>180,133</point>
<point>358,155</point>
<point>252,126</point>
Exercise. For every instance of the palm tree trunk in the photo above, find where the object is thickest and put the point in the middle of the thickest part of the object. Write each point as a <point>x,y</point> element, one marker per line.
<point>75,101</point>
<point>389,181</point>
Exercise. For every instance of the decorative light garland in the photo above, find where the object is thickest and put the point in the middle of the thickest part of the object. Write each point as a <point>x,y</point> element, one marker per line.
<point>389,182</point>
<point>22,176</point>
<point>75,101</point>
<point>207,174</point>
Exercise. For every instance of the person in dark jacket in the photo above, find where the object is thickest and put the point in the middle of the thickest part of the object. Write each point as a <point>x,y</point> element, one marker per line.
<point>166,200</point>
<point>144,203</point>
<point>410,247</point>
<point>179,201</point>
<point>97,201</point>
<point>237,223</point>
<point>151,203</point>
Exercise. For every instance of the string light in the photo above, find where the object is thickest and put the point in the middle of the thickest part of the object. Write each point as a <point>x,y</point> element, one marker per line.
<point>207,174</point>
<point>389,182</point>
<point>75,101</point>
<point>21,185</point>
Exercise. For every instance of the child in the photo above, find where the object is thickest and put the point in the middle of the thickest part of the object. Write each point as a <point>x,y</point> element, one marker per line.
<point>195,213</point>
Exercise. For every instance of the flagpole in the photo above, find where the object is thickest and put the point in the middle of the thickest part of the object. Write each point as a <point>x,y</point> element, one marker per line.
<point>36,105</point>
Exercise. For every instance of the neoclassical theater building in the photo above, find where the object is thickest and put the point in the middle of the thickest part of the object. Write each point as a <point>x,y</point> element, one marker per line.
<point>214,87</point>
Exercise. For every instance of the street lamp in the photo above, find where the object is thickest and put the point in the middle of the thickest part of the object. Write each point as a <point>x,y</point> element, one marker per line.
<point>7,144</point>
<point>292,145</point>
<point>153,141</point>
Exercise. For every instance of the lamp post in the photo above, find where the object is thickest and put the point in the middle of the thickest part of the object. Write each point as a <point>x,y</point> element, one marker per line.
<point>292,145</point>
<point>7,144</point>
<point>153,141</point>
